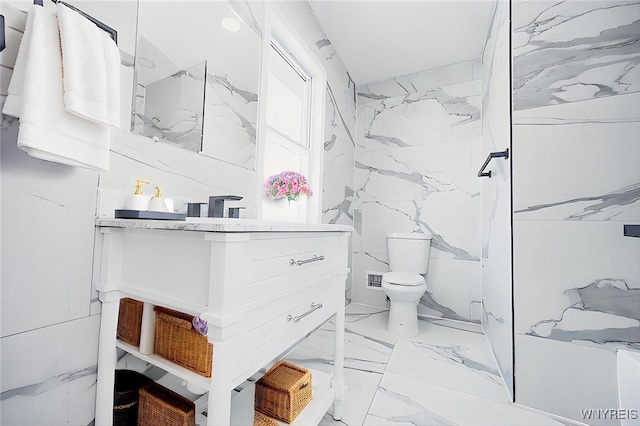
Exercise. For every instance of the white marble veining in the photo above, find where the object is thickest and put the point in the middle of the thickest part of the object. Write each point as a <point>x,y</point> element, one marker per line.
<point>403,400</point>
<point>567,52</point>
<point>212,224</point>
<point>230,120</point>
<point>339,152</point>
<point>420,81</point>
<point>412,169</point>
<point>593,297</point>
<point>585,189</point>
<point>37,371</point>
<point>441,114</point>
<point>440,352</point>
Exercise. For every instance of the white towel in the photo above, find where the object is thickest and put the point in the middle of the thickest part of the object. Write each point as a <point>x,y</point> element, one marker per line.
<point>91,69</point>
<point>47,130</point>
<point>13,103</point>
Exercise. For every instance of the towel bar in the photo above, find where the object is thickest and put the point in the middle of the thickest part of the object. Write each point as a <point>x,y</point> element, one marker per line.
<point>3,44</point>
<point>112,33</point>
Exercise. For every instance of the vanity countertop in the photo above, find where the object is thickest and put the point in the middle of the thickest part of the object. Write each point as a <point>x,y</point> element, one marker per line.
<point>222,225</point>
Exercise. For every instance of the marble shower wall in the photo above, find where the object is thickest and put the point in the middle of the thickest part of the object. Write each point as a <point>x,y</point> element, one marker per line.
<point>497,307</point>
<point>576,181</point>
<point>418,142</point>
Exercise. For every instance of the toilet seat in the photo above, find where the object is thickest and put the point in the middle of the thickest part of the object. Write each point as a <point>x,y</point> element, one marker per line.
<point>400,278</point>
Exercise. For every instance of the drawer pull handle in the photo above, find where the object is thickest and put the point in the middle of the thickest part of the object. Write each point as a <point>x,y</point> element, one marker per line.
<point>301,262</point>
<point>314,307</point>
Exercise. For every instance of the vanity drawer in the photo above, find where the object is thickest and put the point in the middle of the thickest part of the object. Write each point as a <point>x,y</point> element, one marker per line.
<point>278,264</point>
<point>287,320</point>
<point>288,244</point>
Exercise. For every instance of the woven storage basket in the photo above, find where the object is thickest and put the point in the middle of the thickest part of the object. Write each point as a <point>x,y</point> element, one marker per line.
<point>178,341</point>
<point>260,419</point>
<point>129,320</point>
<point>125,398</point>
<point>283,391</point>
<point>160,406</point>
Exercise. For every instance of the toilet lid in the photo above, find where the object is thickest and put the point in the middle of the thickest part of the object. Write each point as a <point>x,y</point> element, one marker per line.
<point>403,278</point>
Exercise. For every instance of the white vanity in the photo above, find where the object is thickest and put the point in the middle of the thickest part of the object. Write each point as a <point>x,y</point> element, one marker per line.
<point>261,286</point>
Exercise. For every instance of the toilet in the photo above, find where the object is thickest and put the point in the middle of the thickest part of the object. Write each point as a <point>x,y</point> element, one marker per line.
<point>404,284</point>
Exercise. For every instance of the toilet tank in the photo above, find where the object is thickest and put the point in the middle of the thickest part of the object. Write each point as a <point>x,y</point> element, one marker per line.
<point>409,252</point>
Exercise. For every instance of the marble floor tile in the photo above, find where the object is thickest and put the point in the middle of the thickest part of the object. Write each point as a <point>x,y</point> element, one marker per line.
<point>423,380</point>
<point>361,388</point>
<point>450,357</point>
<point>402,400</point>
<point>361,352</point>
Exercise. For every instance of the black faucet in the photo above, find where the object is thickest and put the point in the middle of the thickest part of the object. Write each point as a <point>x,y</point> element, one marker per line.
<point>216,204</point>
<point>193,209</point>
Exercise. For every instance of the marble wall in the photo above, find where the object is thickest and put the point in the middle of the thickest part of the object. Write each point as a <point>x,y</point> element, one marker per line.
<point>417,144</point>
<point>49,312</point>
<point>497,316</point>
<point>49,327</point>
<point>576,181</point>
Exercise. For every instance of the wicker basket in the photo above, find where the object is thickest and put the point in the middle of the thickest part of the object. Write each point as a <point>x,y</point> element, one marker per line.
<point>283,391</point>
<point>129,320</point>
<point>260,419</point>
<point>160,406</point>
<point>177,340</point>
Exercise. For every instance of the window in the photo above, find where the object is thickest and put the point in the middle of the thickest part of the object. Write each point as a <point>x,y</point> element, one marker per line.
<point>295,99</point>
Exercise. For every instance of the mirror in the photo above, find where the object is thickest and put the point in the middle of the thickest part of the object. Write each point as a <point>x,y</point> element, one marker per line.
<point>197,74</point>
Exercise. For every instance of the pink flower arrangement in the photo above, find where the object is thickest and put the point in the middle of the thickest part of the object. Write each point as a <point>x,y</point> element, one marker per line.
<point>287,184</point>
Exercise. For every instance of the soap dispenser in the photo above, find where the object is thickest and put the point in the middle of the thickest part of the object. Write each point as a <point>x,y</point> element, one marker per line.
<point>157,203</point>
<point>138,201</point>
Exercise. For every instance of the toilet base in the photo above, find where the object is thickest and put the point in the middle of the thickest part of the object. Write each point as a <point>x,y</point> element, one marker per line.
<point>403,319</point>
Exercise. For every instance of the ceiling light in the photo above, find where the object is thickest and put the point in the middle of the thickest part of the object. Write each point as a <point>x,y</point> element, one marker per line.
<point>146,62</point>
<point>231,24</point>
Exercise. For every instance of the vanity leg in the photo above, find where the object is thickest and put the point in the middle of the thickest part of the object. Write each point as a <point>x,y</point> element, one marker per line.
<point>107,358</point>
<point>338,367</point>
<point>219,403</point>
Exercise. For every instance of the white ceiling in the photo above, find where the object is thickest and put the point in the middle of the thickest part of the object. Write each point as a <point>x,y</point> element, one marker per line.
<point>382,39</point>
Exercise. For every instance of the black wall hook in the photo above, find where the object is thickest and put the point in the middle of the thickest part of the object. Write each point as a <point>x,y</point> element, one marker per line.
<point>498,154</point>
